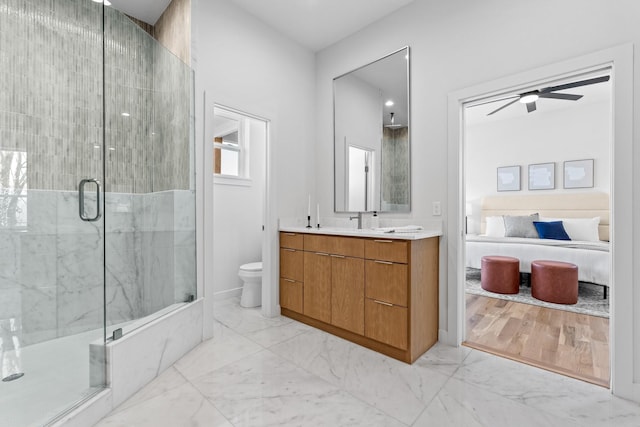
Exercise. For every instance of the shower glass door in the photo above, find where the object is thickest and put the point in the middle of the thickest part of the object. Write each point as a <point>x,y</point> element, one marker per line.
<point>52,273</point>
<point>97,200</point>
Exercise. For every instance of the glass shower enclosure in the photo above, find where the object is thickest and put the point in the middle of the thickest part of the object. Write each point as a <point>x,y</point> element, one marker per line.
<point>97,200</point>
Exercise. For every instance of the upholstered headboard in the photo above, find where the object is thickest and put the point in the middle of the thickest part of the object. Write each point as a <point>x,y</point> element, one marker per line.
<point>565,205</point>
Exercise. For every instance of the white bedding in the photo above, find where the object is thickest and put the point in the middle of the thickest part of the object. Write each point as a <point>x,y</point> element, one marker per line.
<point>592,258</point>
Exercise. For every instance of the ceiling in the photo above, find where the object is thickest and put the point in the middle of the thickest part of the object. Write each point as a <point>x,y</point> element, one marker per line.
<point>477,114</point>
<point>315,24</point>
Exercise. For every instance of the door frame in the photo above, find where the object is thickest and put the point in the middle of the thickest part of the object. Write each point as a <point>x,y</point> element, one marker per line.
<point>625,343</point>
<point>270,305</point>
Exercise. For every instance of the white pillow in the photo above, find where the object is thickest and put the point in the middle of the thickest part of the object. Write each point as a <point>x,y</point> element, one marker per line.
<point>585,229</point>
<point>495,226</point>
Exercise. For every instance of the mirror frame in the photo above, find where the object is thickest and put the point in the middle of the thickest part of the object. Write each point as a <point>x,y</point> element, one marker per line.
<point>409,136</point>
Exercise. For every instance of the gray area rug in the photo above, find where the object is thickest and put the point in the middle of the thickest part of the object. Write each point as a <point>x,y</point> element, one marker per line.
<point>590,296</point>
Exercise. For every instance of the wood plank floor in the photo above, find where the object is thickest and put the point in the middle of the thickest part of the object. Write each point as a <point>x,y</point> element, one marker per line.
<point>576,345</point>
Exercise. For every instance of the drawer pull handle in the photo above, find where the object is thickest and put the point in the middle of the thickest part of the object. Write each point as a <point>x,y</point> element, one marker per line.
<point>321,253</point>
<point>337,256</point>
<point>289,250</point>
<point>289,280</point>
<point>289,234</point>
<point>383,241</point>
<point>383,303</point>
<point>383,262</point>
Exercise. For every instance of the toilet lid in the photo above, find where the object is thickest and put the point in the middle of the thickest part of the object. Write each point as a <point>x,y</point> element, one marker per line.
<point>252,266</point>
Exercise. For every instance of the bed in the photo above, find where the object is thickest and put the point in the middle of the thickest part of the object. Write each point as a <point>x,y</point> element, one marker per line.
<point>591,256</point>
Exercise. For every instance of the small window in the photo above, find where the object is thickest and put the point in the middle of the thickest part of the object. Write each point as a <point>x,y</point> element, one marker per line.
<point>230,153</point>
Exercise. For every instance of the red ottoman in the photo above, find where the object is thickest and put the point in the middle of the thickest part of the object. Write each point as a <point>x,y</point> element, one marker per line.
<point>500,274</point>
<point>554,281</point>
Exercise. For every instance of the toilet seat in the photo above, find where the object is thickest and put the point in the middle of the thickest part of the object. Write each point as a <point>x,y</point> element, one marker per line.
<point>252,266</point>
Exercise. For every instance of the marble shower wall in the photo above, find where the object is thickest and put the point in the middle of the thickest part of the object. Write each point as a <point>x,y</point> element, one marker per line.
<point>54,112</point>
<point>51,277</point>
<point>51,98</point>
<point>395,169</point>
<point>147,111</point>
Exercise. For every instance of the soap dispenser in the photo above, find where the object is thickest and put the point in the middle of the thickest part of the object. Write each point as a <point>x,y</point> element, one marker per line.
<point>375,221</point>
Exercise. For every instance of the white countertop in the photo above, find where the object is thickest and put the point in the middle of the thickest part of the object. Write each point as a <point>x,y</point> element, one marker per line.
<point>353,232</point>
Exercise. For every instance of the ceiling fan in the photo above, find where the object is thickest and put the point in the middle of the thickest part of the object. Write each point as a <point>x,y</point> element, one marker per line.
<point>530,98</point>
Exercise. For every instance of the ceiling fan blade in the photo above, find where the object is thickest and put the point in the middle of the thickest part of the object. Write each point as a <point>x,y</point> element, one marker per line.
<point>504,106</point>
<point>575,84</point>
<point>565,96</point>
<point>531,107</point>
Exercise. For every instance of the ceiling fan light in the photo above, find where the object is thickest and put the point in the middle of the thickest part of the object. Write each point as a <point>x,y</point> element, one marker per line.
<point>529,98</point>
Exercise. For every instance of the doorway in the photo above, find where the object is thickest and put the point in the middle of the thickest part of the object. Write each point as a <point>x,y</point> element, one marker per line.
<point>240,198</point>
<point>534,144</point>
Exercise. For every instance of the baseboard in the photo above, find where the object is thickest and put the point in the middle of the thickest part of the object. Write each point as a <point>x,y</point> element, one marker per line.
<point>443,337</point>
<point>227,293</point>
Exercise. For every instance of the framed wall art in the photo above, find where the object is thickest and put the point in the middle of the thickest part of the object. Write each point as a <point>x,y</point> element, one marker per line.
<point>542,176</point>
<point>509,178</point>
<point>578,173</point>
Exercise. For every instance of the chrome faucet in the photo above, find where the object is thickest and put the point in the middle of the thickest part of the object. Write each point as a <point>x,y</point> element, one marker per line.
<point>359,218</point>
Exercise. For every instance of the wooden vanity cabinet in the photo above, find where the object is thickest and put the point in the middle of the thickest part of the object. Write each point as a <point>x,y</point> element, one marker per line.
<point>379,293</point>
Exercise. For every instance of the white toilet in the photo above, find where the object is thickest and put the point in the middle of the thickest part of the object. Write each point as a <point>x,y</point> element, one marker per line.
<point>251,276</point>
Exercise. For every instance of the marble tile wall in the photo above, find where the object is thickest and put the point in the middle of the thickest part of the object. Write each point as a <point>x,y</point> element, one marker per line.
<point>52,275</point>
<point>55,112</point>
<point>51,98</point>
<point>148,149</point>
<point>395,170</point>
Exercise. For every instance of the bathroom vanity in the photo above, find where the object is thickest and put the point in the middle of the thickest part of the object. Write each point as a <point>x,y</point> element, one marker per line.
<point>375,289</point>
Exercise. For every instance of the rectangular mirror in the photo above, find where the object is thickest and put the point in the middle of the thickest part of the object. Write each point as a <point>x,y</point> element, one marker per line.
<point>372,137</point>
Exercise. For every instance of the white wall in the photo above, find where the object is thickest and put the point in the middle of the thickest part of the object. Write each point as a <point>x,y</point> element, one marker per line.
<point>242,63</point>
<point>238,218</point>
<point>574,133</point>
<point>457,44</point>
<point>358,110</point>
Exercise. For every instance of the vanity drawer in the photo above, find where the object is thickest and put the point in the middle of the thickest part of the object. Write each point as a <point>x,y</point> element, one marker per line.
<point>291,240</point>
<point>346,246</point>
<point>292,264</point>
<point>386,281</point>
<point>386,250</point>
<point>386,323</point>
<point>291,294</point>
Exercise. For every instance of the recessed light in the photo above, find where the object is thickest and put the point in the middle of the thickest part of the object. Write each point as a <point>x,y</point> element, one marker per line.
<point>125,114</point>
<point>389,103</point>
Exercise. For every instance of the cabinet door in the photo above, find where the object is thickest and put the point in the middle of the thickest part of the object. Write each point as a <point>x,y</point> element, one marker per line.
<point>317,286</point>
<point>291,264</point>
<point>291,295</point>
<point>386,323</point>
<point>347,293</point>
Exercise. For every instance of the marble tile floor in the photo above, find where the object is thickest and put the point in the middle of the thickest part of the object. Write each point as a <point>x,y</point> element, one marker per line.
<point>257,371</point>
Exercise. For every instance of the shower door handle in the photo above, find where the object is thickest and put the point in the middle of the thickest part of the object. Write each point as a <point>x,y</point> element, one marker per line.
<point>81,200</point>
